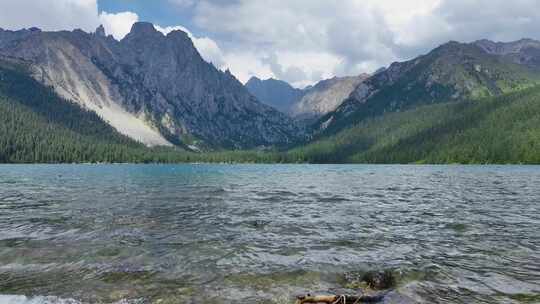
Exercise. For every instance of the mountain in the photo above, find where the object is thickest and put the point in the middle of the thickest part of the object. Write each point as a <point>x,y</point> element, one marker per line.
<point>523,52</point>
<point>305,104</point>
<point>276,93</point>
<point>151,87</point>
<point>452,72</point>
<point>37,125</point>
<point>325,96</point>
<point>501,129</point>
<point>79,97</point>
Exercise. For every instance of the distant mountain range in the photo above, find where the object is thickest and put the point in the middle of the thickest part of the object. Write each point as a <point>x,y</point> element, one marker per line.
<point>76,96</point>
<point>309,103</point>
<point>276,93</point>
<point>325,96</point>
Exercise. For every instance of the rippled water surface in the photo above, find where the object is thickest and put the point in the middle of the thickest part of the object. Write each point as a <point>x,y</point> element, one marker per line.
<point>264,233</point>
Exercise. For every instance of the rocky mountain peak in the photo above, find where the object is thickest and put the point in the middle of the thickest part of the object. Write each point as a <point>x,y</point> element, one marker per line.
<point>154,88</point>
<point>178,34</point>
<point>325,96</point>
<point>506,48</point>
<point>452,71</point>
<point>180,39</point>
<point>276,93</point>
<point>304,104</point>
<point>524,52</point>
<point>452,48</point>
<point>143,30</point>
<point>100,31</point>
<point>152,45</point>
<point>253,80</point>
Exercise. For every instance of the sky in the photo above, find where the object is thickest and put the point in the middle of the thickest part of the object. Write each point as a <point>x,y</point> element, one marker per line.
<point>299,41</point>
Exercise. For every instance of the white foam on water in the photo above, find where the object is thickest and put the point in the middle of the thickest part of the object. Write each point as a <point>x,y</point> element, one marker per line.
<point>20,299</point>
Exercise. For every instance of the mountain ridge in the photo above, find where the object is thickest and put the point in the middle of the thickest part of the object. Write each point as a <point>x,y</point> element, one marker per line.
<point>452,71</point>
<point>162,83</point>
<point>308,103</point>
<point>159,83</point>
<point>502,129</point>
<point>325,96</point>
<point>273,92</point>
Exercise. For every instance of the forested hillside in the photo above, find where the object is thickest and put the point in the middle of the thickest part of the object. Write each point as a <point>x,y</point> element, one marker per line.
<point>504,129</point>
<point>452,72</point>
<point>151,87</point>
<point>38,126</point>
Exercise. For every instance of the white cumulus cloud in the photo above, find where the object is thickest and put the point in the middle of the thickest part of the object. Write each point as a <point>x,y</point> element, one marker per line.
<point>71,14</point>
<point>354,36</point>
<point>118,24</point>
<point>302,41</point>
<point>48,15</point>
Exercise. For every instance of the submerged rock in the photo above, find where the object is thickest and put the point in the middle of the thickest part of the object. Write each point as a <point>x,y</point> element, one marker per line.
<point>380,280</point>
<point>375,280</point>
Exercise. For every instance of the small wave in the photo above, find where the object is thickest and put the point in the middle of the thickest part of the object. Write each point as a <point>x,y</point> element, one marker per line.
<point>18,299</point>
<point>333,199</point>
<point>281,193</point>
<point>21,299</point>
<point>9,181</point>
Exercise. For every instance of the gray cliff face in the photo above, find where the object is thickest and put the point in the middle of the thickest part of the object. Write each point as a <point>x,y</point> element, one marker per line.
<point>326,96</point>
<point>507,48</point>
<point>305,104</point>
<point>524,51</point>
<point>151,87</point>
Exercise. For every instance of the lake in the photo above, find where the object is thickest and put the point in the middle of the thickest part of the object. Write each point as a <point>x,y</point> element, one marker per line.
<point>265,233</point>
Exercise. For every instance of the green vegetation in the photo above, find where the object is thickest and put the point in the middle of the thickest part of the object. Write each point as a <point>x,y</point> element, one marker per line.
<point>38,126</point>
<point>504,129</point>
<point>461,70</point>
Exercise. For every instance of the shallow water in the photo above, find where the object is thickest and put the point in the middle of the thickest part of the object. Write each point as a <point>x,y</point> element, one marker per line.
<point>264,233</point>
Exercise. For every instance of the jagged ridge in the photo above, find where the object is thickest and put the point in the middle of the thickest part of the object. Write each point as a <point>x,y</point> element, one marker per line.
<point>304,104</point>
<point>452,72</point>
<point>154,88</point>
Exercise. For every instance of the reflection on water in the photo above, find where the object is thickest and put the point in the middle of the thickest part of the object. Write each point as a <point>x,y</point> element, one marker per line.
<point>264,233</point>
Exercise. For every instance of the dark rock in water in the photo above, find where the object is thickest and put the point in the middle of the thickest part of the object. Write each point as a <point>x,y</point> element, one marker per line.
<point>380,280</point>
<point>376,280</point>
<point>258,223</point>
<point>366,282</point>
<point>458,227</point>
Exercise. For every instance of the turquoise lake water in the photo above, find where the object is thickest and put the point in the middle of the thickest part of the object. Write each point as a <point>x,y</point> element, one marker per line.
<point>265,233</point>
